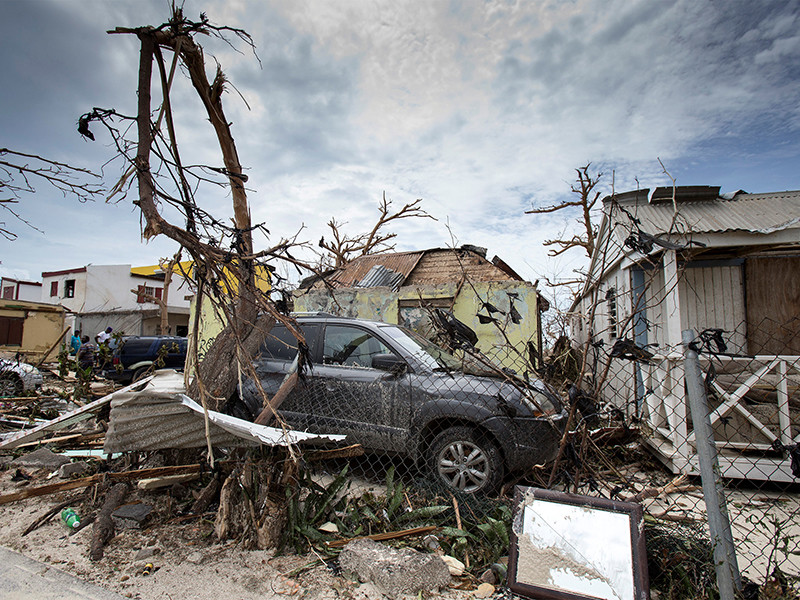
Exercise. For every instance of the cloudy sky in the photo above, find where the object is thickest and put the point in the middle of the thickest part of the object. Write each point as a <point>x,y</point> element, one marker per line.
<point>482,109</point>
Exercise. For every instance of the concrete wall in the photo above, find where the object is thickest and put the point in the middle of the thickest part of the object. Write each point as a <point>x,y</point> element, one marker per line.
<point>15,289</point>
<point>73,304</point>
<point>43,325</point>
<point>105,288</point>
<point>383,304</point>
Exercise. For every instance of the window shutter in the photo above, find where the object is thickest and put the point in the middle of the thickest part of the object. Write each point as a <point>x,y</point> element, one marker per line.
<point>53,288</point>
<point>159,292</point>
<point>140,297</point>
<point>11,331</point>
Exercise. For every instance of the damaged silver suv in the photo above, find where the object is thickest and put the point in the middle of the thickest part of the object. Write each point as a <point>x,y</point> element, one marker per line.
<point>392,391</point>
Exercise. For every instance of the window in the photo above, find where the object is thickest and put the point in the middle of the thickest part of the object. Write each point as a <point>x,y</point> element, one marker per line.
<point>611,300</point>
<point>351,347</point>
<point>53,289</point>
<point>282,345</point>
<point>146,293</point>
<point>11,331</point>
<point>8,292</point>
<point>69,288</point>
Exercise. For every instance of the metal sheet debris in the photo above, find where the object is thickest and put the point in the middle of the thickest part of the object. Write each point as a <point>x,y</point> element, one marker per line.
<point>76,416</point>
<point>161,416</point>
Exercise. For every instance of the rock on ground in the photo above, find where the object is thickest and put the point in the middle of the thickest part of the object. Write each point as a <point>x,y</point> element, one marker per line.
<point>394,572</point>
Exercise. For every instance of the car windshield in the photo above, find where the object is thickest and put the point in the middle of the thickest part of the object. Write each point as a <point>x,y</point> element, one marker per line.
<point>431,355</point>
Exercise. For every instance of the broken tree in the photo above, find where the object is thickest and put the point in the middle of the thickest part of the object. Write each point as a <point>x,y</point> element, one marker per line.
<point>225,262</point>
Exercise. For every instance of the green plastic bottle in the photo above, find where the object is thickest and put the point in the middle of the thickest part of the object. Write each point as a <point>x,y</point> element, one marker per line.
<point>70,518</point>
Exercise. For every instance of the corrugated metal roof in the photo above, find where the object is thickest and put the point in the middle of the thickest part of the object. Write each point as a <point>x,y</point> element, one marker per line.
<point>160,416</point>
<point>380,276</point>
<point>761,213</point>
<point>357,269</point>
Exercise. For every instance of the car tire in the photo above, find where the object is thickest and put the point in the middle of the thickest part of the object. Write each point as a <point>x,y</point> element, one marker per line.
<point>465,460</point>
<point>239,408</point>
<point>11,385</point>
<point>140,374</point>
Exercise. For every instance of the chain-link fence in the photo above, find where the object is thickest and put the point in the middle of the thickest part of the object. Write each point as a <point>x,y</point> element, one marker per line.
<point>447,436</point>
<point>754,399</point>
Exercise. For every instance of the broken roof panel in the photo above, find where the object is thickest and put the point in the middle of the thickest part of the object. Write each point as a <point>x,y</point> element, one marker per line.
<point>380,276</point>
<point>356,270</point>
<point>160,416</point>
<point>425,267</point>
<point>760,213</point>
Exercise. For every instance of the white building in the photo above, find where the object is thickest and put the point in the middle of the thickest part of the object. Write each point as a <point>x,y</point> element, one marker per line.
<point>729,267</point>
<point>100,296</point>
<point>17,289</point>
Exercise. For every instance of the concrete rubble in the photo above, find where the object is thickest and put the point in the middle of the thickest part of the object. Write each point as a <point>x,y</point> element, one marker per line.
<point>42,458</point>
<point>131,516</point>
<point>395,572</point>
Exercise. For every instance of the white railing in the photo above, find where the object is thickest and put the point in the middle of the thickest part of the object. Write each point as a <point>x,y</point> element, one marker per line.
<point>751,413</point>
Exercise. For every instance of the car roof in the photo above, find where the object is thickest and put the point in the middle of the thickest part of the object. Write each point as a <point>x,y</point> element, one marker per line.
<point>153,337</point>
<point>322,317</point>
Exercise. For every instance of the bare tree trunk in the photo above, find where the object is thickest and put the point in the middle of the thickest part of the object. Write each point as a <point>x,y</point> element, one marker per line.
<point>218,370</point>
<point>103,529</point>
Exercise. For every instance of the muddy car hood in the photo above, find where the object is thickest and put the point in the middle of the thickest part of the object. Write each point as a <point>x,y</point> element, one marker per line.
<point>493,392</point>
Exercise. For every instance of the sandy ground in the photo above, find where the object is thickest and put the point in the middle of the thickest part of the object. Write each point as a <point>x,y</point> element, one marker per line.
<point>188,562</point>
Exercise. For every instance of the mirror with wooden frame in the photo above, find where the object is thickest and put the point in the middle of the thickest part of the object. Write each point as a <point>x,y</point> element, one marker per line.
<point>570,547</point>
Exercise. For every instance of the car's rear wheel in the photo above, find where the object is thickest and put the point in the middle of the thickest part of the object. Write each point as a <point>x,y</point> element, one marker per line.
<point>140,374</point>
<point>11,385</point>
<point>466,460</point>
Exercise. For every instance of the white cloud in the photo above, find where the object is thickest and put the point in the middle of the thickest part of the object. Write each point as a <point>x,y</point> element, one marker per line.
<point>481,109</point>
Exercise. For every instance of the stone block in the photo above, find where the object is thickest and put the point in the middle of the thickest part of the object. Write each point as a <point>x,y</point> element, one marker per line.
<point>42,458</point>
<point>395,572</point>
<point>77,469</point>
<point>131,516</point>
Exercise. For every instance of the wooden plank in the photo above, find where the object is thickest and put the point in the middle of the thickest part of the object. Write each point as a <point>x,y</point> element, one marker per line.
<point>690,296</point>
<point>53,440</point>
<point>784,415</point>
<point>773,300</point>
<point>386,536</point>
<point>733,398</point>
<point>65,420</point>
<point>154,483</point>
<point>73,484</point>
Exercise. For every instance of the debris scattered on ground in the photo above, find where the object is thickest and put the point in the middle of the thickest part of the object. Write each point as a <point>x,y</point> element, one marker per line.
<point>395,572</point>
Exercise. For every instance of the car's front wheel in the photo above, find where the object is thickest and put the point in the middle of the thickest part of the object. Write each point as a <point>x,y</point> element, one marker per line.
<point>11,385</point>
<point>466,460</point>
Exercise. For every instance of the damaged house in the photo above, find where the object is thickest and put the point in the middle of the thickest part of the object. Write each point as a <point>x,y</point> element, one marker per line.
<point>99,296</point>
<point>727,267</point>
<point>404,287</point>
<point>31,330</point>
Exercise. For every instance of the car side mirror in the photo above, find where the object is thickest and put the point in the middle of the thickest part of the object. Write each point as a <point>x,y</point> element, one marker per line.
<point>389,362</point>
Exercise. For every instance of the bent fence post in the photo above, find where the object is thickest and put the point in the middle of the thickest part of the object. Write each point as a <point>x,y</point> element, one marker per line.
<point>719,524</point>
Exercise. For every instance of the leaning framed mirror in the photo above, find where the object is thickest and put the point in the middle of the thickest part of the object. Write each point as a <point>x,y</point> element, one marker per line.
<point>571,547</point>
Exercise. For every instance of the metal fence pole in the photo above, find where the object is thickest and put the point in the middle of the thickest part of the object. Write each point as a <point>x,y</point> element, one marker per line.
<point>719,525</point>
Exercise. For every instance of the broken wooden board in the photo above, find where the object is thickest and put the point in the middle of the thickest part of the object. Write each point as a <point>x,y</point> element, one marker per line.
<point>65,420</point>
<point>73,484</point>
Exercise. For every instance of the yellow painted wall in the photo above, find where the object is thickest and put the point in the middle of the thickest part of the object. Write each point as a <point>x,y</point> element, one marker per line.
<point>43,324</point>
<point>263,281</point>
<point>383,304</point>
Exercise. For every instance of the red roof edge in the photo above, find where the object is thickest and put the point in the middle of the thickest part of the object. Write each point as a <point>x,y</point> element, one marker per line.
<point>64,272</point>
<point>503,266</point>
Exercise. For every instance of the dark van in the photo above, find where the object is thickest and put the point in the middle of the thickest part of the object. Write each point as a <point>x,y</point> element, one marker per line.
<point>137,356</point>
